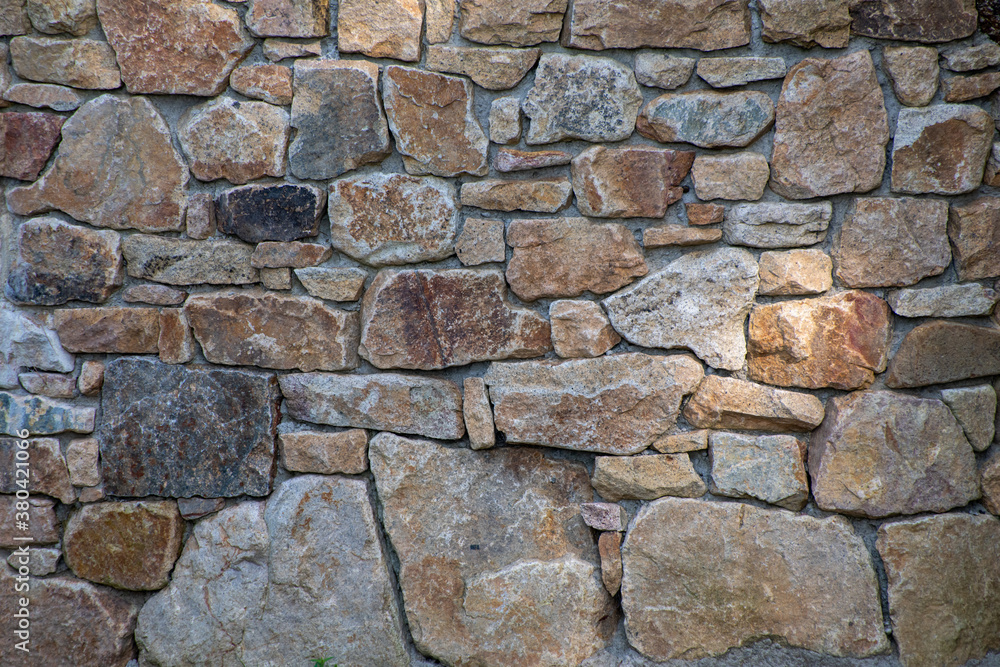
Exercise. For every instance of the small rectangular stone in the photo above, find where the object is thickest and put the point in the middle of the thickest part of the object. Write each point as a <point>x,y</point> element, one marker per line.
<point>604,516</point>
<point>965,88</point>
<point>646,477</point>
<point>277,48</point>
<point>200,216</point>
<point>156,295</point>
<point>291,254</point>
<point>704,214</point>
<point>108,330</point>
<point>728,72</point>
<point>325,453</point>
<point>509,159</point>
<point>91,378</point>
<point>662,71</point>
<point>481,242</point>
<point>777,225</point>
<point>542,196</point>
<point>82,462</point>
<point>182,262</point>
<point>689,441</point>
<point>966,300</point>
<point>176,343</point>
<point>53,385</point>
<point>42,522</point>
<point>678,235</point>
<point>795,273</point>
<point>972,58</point>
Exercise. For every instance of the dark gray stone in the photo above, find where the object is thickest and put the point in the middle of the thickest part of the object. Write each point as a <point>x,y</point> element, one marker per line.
<point>258,213</point>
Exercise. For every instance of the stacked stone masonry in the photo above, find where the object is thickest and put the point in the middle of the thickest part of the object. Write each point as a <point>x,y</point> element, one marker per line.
<point>500,333</point>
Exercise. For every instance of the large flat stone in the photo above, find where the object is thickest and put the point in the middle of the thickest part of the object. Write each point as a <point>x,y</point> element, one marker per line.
<point>974,230</point>
<point>284,212</point>
<point>914,20</point>
<point>81,63</point>
<point>183,262</point>
<point>703,577</point>
<point>706,118</point>
<point>432,319</point>
<point>503,573</point>
<point>939,351</point>
<point>615,404</point>
<point>634,182</point>
<point>823,22</point>
<point>777,224</point>
<point>26,142</point>
<point>769,468</point>
<point>520,23</point>
<point>731,403</point>
<point>196,430</point>
<point>699,302</point>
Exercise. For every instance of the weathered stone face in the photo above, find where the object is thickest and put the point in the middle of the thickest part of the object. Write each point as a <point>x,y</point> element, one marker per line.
<point>325,453</point>
<point>182,47</point>
<point>182,262</point>
<point>698,302</point>
<point>678,235</point>
<point>777,225</point>
<point>81,63</point>
<point>965,300</point>
<point>338,117</point>
<point>43,527</point>
<point>965,88</point>
<point>481,242</point>
<point>526,555</point>
<point>628,182</point>
<point>509,159</point>
<point>288,18</point>
<point>439,17</point>
<point>580,329</point>
<point>731,403</point>
<point>974,230</point>
<point>663,71</point>
<point>384,402</point>
<point>403,313</point>
<point>521,23</point>
<point>975,409</point>
<point>938,352</point>
<point>130,545</point>
<point>51,17</point>
<point>913,71</point>
<point>914,20</point>
<point>82,462</point>
<point>989,474</point>
<point>56,263</point>
<point>44,96</point>
<point>493,69</point>
<point>283,212</point>
<point>837,341</point>
<point>771,468</point>
<point>646,477</point>
<point>52,385</point>
<point>808,23</point>
<point>115,168</point>
<point>273,331</point>
<point>615,404</point>
<point>28,344</point>
<point>686,441</point>
<point>538,196</point>
<point>333,284</point>
<point>270,83</point>
<point>704,214</point>
<point>739,71</point>
<point>795,272</point>
<point>291,254</point>
<point>26,141</point>
<point>972,58</point>
<point>477,413</point>
<point>40,416</point>
<point>564,257</point>
<point>48,472</point>
<point>604,516</point>
<point>380,30</point>
<point>239,589</point>
<point>198,431</point>
<point>581,97</point>
<point>735,176</point>
<point>505,122</point>
<point>108,330</point>
<point>687,559</point>
<point>707,119</point>
<point>277,49</point>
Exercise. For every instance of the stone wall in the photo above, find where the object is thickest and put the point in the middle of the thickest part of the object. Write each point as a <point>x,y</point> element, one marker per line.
<point>500,332</point>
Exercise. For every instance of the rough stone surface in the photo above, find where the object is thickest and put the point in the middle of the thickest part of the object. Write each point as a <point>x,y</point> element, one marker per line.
<point>838,341</point>
<point>966,300</point>
<point>823,22</point>
<point>295,255</point>
<point>48,472</point>
<point>610,547</point>
<point>520,23</point>
<point>943,598</point>
<point>564,257</point>
<point>678,235</point>
<point>581,97</point>
<point>197,431</point>
<point>493,69</point>
<point>777,224</point>
<point>965,88</point>
<point>481,242</point>
<point>729,72</point>
<point>873,457</point>
<point>196,508</point>
<point>439,20</point>
<point>615,404</point>
<point>913,71</point>
<point>479,576</point>
<point>108,330</point>
<point>432,119</point>
<point>176,343</point>
<point>604,516</point>
<point>662,71</point>
<point>115,168</point>
<point>53,385</point>
<point>184,47</point>
<point>251,328</point>
<point>628,182</point>
<point>41,416</point>
<point>44,96</point>
<point>734,176</point>
<point>941,149</point>
<point>338,117</point>
<point>239,592</point>
<point>277,49</point>
<point>830,129</point>
<point>270,83</point>
<point>795,272</point>
<point>706,118</point>
<point>26,142</point>
<point>91,377</point>
<point>746,572</point>
<point>288,18</point>
<point>699,302</point>
<point>969,58</point>
<point>57,262</point>
<point>989,473</point>
<point>14,18</point>
<point>199,219</point>
<point>580,329</point>
<point>380,29</point>
<point>914,20</point>
<point>509,159</point>
<point>238,141</point>
<point>505,122</point>
<point>975,409</point>
<point>82,462</point>
<point>182,262</point>
<point>40,562</point>
<point>333,284</point>
<point>431,319</point>
<point>974,230</point>
<point>892,242</point>
<point>43,527</point>
<point>939,351</point>
<point>646,477</point>
<point>383,402</point>
<point>770,468</point>
<point>284,212</point>
<point>731,403</point>
<point>386,219</point>
<point>80,63</point>
<point>478,414</point>
<point>705,25</point>
<point>276,279</point>
<point>52,17</point>
<point>130,545</point>
<point>325,453</point>
<point>704,214</point>
<point>156,295</point>
<point>538,196</point>
<point>687,441</point>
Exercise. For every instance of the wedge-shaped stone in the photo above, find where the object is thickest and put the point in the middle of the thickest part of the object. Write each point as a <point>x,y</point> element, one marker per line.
<point>243,589</point>
<point>538,196</point>
<point>380,29</point>
<point>26,142</point>
<point>81,63</point>
<point>940,351</point>
<point>108,330</point>
<point>729,72</point>
<point>42,416</point>
<point>705,25</point>
<point>744,573</point>
<point>520,23</point>
<point>707,119</point>
<point>731,403</point>
<point>284,212</point>
<point>830,129</point>
<point>383,402</point>
<point>493,69</point>
<point>25,343</point>
<point>965,300</point>
<point>338,117</point>
<point>914,20</point>
<point>429,319</point>
<point>975,409</point>
<point>838,341</point>
<point>634,182</point>
<point>278,48</point>
<point>699,302</point>
<point>581,97</point>
<point>795,272</point>
<point>182,262</point>
<point>686,441</point>
<point>505,573</point>
<point>879,453</point>
<point>115,167</point>
<point>823,22</point>
<point>770,468</point>
<point>56,263</point>
<point>251,328</point>
<point>334,284</point>
<point>270,83</point>
<point>288,18</point>
<point>646,477</point>
<point>198,431</point>
<point>974,230</point>
<point>564,257</point>
<point>913,71</point>
<point>179,47</point>
<point>478,414</point>
<point>48,473</point>
<point>615,404</point>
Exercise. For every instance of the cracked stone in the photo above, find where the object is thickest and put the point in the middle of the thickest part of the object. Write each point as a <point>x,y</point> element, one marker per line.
<point>975,409</point>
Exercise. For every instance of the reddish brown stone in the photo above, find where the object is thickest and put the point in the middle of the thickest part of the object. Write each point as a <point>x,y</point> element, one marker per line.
<point>288,18</point>
<point>43,527</point>
<point>509,159</point>
<point>965,88</point>
<point>704,214</point>
<point>941,351</point>
<point>291,254</point>
<point>838,341</point>
<point>175,344</point>
<point>610,547</point>
<point>541,196</point>
<point>823,22</point>
<point>974,229</point>
<point>630,182</point>
<point>914,20</point>
<point>678,235</point>
<point>108,330</point>
<point>26,141</point>
<point>325,453</point>
<point>271,83</point>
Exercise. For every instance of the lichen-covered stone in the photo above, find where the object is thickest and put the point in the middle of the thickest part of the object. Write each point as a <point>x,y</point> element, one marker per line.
<point>288,18</point>
<point>731,403</point>
<point>646,477</point>
<point>795,272</point>
<point>739,71</point>
<point>974,230</point>
<point>380,29</point>
<point>48,474</point>
<point>42,416</point>
<point>964,300</point>
<point>183,262</point>
<point>80,63</point>
<point>580,329</point>
<point>478,414</point>
<point>678,235</point>
<point>770,468</point>
<point>706,118</point>
<point>108,330</point>
<point>581,97</point>
<point>520,23</point>
<point>77,17</point>
<point>628,182</point>
<point>325,453</point>
<point>738,176</point>
<point>615,404</point>
<point>509,159</point>
<point>699,302</point>
<point>913,71</point>
<point>431,319</point>
<point>26,142</point>
<point>333,284</point>
<point>197,430</point>
<point>975,409</point>
<point>914,20</point>
<point>777,224</point>
<point>481,242</point>
<point>283,212</point>
<point>538,196</point>
<point>493,69</point>
<point>270,83</point>
<point>940,351</point>
<point>823,22</point>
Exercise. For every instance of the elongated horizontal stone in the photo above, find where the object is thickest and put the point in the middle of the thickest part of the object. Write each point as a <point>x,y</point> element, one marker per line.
<point>541,196</point>
<point>914,20</point>
<point>44,96</point>
<point>509,159</point>
<point>41,416</point>
<point>283,212</point>
<point>678,235</point>
<point>969,58</point>
<point>707,119</point>
<point>288,18</point>
<point>295,255</point>
<point>156,295</point>
<point>53,385</point>
<point>966,300</point>
<point>777,225</point>
<point>110,330</point>
<point>646,477</point>
<point>384,402</point>
<point>966,88</point>
<point>277,49</point>
<point>686,441</point>
<point>614,404</point>
<point>770,468</point>
<point>182,262</point>
<point>628,182</point>
<point>46,468</point>
<point>325,453</point>
<point>81,63</point>
<point>938,352</point>
<point>520,23</point>
<point>493,69</point>
<point>731,403</point>
<point>729,72</point>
